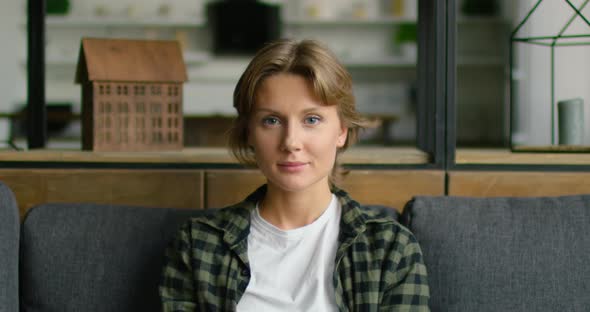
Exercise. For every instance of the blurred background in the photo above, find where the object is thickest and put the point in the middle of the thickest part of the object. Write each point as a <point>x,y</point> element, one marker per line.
<point>375,39</point>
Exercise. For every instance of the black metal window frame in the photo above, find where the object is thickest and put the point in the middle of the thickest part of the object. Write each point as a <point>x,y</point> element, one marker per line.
<point>36,109</point>
<point>436,80</point>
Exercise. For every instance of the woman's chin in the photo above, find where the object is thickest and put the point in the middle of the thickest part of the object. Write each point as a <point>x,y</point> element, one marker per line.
<point>294,183</point>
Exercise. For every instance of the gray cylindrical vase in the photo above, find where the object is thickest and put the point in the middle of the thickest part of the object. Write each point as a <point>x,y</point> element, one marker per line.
<point>570,115</point>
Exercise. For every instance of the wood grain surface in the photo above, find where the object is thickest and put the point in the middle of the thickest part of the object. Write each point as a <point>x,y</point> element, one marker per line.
<point>392,187</point>
<point>206,155</point>
<point>510,183</point>
<point>505,156</point>
<point>385,187</point>
<point>150,188</point>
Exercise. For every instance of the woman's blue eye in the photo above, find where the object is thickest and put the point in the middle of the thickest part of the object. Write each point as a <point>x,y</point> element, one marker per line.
<point>270,121</point>
<point>312,120</point>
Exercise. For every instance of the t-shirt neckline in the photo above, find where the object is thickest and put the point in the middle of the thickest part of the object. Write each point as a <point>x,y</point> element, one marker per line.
<point>296,233</point>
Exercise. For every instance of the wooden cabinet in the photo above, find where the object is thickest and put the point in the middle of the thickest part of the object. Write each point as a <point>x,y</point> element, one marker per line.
<point>197,189</point>
<point>514,183</point>
<point>151,188</point>
<point>379,187</point>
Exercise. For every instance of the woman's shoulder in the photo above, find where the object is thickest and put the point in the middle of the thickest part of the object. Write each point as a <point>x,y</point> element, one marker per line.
<point>383,219</point>
<point>219,218</point>
<point>379,224</point>
<point>216,222</point>
<point>231,222</point>
<point>381,213</point>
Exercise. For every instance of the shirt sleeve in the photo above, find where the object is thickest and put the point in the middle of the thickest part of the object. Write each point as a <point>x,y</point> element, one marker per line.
<point>409,289</point>
<point>177,285</point>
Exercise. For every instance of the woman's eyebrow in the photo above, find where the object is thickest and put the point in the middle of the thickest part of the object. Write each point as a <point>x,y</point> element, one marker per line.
<point>258,110</point>
<point>305,111</point>
<point>312,110</point>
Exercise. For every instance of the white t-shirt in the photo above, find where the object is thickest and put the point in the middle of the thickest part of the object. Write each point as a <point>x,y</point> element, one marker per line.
<point>292,270</point>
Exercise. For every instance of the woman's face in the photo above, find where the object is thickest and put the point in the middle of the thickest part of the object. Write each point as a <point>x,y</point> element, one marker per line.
<point>295,137</point>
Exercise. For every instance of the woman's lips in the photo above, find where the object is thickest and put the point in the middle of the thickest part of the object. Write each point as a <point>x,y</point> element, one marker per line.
<point>292,166</point>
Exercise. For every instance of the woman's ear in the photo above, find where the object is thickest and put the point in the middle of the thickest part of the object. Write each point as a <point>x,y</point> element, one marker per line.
<point>342,137</point>
<point>248,137</point>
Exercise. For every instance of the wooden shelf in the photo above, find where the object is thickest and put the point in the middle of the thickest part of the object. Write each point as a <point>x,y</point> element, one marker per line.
<point>337,22</point>
<point>172,21</point>
<point>506,157</point>
<point>553,148</point>
<point>131,22</point>
<point>206,155</point>
<point>186,22</point>
<point>384,155</point>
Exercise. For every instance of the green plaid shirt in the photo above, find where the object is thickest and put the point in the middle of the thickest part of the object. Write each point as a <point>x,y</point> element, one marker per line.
<point>379,264</point>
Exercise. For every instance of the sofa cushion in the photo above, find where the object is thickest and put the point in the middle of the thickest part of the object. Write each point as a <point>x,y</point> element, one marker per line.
<point>504,254</point>
<point>9,236</point>
<point>87,257</point>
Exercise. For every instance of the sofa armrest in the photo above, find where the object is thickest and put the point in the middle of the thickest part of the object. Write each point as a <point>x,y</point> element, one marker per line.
<point>9,241</point>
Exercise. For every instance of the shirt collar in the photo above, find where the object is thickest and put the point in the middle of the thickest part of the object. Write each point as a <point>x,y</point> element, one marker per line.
<point>353,220</point>
<point>234,221</point>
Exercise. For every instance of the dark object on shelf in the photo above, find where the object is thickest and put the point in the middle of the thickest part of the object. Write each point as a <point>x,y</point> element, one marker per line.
<point>242,27</point>
<point>551,41</point>
<point>57,7</point>
<point>131,94</point>
<point>480,7</point>
<point>59,117</point>
<point>207,130</point>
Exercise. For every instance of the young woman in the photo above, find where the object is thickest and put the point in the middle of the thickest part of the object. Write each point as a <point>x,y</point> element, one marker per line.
<point>298,243</point>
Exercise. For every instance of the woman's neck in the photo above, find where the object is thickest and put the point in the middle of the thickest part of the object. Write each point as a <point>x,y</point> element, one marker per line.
<point>290,210</point>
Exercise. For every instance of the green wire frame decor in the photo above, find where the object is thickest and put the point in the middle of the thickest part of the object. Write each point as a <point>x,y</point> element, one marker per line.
<point>552,42</point>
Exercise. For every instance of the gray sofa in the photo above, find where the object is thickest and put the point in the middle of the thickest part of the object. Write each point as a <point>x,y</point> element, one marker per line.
<point>504,254</point>
<point>9,240</point>
<point>482,254</point>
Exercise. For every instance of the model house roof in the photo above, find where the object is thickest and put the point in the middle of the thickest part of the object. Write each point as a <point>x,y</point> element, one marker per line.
<point>130,60</point>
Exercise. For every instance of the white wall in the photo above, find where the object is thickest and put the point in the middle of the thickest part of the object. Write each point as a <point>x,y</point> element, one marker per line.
<point>13,40</point>
<point>12,73</point>
<point>572,76</point>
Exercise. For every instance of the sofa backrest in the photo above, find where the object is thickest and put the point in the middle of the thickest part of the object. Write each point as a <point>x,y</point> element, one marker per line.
<point>9,236</point>
<point>88,257</point>
<point>504,254</point>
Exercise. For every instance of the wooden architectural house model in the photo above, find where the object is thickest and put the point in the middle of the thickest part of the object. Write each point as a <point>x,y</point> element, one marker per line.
<point>131,94</point>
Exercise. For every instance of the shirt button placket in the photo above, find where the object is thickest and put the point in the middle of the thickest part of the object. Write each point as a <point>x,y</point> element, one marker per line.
<point>244,278</point>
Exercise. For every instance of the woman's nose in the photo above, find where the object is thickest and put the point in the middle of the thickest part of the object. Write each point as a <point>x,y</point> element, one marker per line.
<point>291,140</point>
